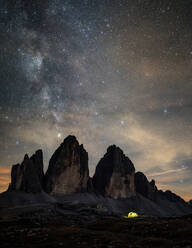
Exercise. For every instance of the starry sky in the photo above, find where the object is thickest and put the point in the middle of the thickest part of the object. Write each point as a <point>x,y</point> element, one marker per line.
<point>108,72</point>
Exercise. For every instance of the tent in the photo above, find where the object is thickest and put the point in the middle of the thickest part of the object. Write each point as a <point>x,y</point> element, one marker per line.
<point>131,215</point>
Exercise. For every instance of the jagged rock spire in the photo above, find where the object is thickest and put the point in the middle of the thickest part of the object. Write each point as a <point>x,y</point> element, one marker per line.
<point>28,176</point>
<point>144,187</point>
<point>114,175</point>
<point>68,168</point>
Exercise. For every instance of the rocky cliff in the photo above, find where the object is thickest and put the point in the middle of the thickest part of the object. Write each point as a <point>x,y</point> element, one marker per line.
<point>28,176</point>
<point>144,187</point>
<point>150,191</point>
<point>68,169</point>
<point>114,175</point>
<point>68,173</point>
<point>170,196</point>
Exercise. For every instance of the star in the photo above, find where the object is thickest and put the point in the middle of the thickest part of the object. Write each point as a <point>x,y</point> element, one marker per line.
<point>59,135</point>
<point>122,122</point>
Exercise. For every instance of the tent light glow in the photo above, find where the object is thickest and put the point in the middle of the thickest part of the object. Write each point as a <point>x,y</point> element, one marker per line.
<point>131,215</point>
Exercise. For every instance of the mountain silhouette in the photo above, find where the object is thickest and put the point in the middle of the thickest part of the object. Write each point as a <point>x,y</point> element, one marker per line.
<point>115,185</point>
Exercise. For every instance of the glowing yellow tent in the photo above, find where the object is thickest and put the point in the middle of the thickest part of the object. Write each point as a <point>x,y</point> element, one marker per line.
<point>131,215</point>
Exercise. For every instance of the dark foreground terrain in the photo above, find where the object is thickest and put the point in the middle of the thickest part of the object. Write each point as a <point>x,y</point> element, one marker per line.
<point>92,229</point>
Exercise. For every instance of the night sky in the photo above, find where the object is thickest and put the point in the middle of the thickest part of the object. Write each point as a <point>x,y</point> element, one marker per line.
<point>108,72</point>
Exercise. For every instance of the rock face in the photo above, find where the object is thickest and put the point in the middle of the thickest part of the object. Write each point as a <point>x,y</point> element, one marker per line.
<point>90,187</point>
<point>114,175</point>
<point>144,187</point>
<point>28,176</point>
<point>150,191</point>
<point>170,196</point>
<point>68,169</point>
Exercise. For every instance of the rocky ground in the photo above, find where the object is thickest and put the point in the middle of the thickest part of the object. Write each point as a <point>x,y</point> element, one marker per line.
<point>92,228</point>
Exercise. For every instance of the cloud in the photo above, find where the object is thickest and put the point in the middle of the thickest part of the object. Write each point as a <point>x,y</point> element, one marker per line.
<point>155,149</point>
<point>165,172</point>
<point>4,171</point>
<point>4,178</point>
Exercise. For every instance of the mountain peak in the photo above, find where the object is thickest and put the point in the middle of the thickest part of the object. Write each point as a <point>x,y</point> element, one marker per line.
<point>114,175</point>
<point>28,176</point>
<point>68,168</point>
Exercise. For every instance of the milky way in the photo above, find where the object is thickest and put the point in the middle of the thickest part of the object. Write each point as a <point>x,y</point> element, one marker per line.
<point>108,72</point>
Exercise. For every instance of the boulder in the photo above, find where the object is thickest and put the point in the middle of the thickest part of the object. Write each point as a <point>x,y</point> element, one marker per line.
<point>114,175</point>
<point>68,170</point>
